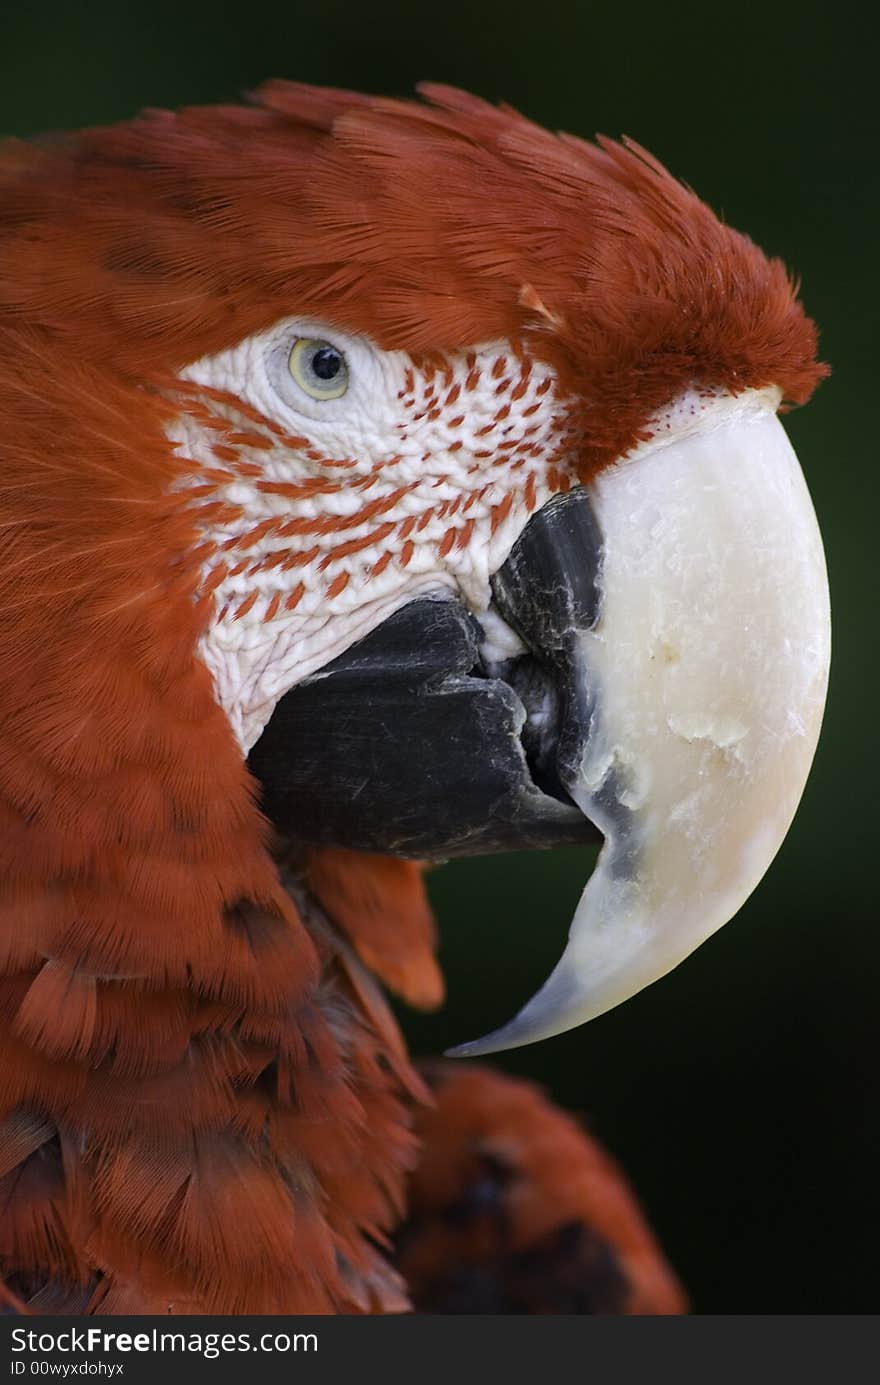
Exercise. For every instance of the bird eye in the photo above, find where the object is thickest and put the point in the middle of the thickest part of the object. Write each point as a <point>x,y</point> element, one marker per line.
<point>318,368</point>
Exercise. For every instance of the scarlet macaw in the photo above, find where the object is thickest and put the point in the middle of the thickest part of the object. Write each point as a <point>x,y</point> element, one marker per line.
<point>379,480</point>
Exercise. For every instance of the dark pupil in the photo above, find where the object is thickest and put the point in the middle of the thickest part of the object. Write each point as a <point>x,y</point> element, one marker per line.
<point>326,363</point>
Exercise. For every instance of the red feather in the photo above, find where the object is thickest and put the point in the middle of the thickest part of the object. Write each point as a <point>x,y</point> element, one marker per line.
<point>204,1102</point>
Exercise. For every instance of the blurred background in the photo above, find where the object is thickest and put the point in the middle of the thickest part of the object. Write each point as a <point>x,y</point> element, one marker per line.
<point>741,1091</point>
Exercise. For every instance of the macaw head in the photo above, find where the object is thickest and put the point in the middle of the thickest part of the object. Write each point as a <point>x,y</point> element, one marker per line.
<point>434,461</point>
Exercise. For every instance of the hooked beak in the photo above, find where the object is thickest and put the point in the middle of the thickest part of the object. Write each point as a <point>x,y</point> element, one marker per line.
<point>665,685</point>
<point>707,671</point>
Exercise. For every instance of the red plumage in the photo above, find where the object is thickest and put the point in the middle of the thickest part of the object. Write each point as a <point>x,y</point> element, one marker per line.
<point>204,1102</point>
<point>515,1208</point>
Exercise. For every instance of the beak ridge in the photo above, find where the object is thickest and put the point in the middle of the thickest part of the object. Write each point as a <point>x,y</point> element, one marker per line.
<point>706,672</point>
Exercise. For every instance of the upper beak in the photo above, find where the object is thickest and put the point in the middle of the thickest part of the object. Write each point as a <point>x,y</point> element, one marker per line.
<point>667,677</point>
<point>706,673</point>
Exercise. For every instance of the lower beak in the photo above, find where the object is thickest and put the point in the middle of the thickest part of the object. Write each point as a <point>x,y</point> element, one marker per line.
<point>659,681</point>
<point>706,673</point>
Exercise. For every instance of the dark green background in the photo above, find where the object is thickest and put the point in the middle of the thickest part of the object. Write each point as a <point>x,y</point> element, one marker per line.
<point>741,1091</point>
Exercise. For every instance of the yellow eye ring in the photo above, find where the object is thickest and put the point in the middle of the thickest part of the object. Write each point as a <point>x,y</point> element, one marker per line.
<point>319,368</point>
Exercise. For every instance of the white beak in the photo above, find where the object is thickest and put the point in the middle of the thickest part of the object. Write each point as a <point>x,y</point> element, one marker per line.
<point>708,671</point>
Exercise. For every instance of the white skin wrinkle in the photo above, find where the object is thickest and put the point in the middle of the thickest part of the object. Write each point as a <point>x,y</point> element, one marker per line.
<point>443,468</point>
<point>421,481</point>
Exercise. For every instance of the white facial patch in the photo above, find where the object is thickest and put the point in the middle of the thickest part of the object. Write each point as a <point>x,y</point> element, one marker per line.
<point>320,517</point>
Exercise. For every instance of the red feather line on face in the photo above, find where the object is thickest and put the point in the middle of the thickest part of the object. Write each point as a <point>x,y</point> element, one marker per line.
<point>500,467</point>
<point>173,1037</point>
